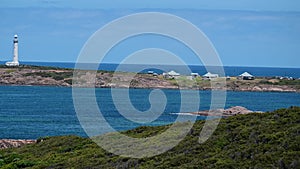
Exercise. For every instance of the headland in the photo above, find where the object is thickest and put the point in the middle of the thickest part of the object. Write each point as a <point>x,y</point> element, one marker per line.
<point>54,76</point>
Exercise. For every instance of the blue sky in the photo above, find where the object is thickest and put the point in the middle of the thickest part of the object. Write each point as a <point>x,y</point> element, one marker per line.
<point>244,32</point>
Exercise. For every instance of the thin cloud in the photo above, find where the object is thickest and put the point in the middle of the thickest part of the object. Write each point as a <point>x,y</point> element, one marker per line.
<point>245,5</point>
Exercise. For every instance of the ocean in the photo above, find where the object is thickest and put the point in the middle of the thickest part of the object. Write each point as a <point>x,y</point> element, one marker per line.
<point>30,112</point>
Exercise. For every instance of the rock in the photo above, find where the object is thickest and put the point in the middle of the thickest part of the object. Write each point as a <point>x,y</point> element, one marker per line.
<point>237,110</point>
<point>224,112</point>
<point>10,143</point>
<point>275,89</point>
<point>256,88</point>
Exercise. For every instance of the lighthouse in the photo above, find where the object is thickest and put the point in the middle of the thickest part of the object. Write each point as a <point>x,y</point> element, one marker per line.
<point>15,61</point>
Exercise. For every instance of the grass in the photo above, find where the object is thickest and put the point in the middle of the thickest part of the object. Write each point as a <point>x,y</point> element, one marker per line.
<point>54,75</point>
<point>283,82</point>
<point>10,71</point>
<point>262,140</point>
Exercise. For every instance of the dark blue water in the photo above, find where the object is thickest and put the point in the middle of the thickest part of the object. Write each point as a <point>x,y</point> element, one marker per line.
<point>229,70</point>
<point>29,112</point>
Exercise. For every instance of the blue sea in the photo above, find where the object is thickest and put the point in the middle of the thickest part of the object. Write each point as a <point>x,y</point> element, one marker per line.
<point>30,112</point>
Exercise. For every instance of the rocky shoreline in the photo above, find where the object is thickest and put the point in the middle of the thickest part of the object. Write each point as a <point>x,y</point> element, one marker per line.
<point>233,111</point>
<point>12,143</point>
<point>30,76</point>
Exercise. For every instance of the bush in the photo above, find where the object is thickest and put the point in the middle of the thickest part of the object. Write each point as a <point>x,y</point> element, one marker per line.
<point>266,140</point>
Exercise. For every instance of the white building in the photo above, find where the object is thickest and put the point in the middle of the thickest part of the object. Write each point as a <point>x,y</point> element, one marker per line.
<point>246,76</point>
<point>150,72</point>
<point>194,74</point>
<point>210,76</point>
<point>15,61</point>
<point>171,75</point>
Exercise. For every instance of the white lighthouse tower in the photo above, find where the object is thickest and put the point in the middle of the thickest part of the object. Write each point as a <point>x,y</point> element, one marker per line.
<point>15,61</point>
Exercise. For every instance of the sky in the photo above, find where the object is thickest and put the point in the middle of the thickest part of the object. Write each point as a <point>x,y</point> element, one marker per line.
<point>244,32</point>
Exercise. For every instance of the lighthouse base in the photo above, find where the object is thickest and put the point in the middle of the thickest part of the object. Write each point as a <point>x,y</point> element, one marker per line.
<point>12,64</point>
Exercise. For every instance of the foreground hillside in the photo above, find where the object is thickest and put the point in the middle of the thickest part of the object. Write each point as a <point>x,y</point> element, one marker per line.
<point>268,140</point>
<point>52,76</point>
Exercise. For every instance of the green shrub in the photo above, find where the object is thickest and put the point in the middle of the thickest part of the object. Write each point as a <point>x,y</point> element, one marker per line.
<point>265,140</point>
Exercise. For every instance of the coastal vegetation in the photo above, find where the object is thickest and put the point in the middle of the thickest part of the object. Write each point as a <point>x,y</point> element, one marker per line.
<point>54,76</point>
<point>281,82</point>
<point>256,140</point>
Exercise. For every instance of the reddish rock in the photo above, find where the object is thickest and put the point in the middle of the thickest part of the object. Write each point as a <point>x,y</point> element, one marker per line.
<point>10,143</point>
